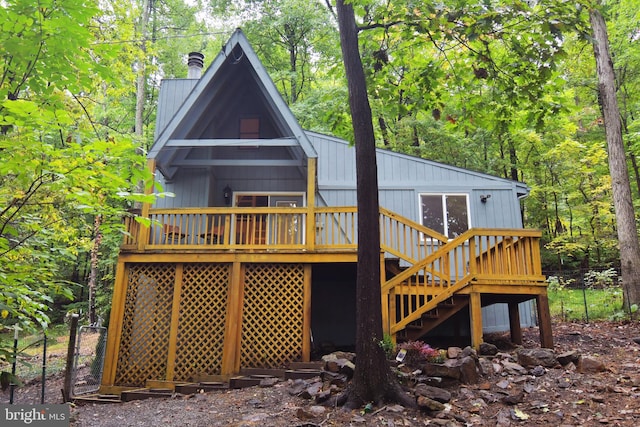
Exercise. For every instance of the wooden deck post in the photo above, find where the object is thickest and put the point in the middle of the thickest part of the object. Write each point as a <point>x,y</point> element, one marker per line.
<point>514,323</point>
<point>310,240</point>
<point>175,320</point>
<point>233,326</point>
<point>306,315</point>
<point>115,324</point>
<point>475,314</point>
<point>544,320</point>
<point>384,303</point>
<point>144,231</point>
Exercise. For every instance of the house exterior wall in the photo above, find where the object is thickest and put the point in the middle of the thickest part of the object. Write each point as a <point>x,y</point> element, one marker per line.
<point>173,92</point>
<point>402,178</point>
<point>190,188</point>
<point>252,303</point>
<point>495,318</point>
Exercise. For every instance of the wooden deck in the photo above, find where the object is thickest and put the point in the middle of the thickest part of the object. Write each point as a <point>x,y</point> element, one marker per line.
<point>485,265</point>
<point>198,290</point>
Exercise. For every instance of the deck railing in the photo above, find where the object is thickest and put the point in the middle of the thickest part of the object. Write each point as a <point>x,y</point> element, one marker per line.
<point>334,228</point>
<point>218,228</point>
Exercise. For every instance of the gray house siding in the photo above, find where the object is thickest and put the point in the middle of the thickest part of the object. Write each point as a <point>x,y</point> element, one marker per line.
<point>173,92</point>
<point>196,188</point>
<point>495,318</point>
<point>189,189</point>
<point>402,178</point>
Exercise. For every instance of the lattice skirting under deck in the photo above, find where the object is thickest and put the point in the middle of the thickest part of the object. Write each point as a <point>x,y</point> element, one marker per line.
<point>144,343</point>
<point>175,316</point>
<point>272,315</point>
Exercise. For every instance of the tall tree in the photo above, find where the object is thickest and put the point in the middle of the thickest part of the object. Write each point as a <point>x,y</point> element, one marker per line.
<point>142,67</point>
<point>623,202</point>
<point>373,380</point>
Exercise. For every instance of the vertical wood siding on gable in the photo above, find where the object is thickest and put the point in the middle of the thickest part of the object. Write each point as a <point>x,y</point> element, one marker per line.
<point>403,201</point>
<point>191,189</point>
<point>336,165</point>
<point>402,178</point>
<point>336,162</point>
<point>500,211</point>
<point>173,92</point>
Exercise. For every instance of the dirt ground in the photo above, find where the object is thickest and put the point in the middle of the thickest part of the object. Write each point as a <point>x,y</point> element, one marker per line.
<point>551,397</point>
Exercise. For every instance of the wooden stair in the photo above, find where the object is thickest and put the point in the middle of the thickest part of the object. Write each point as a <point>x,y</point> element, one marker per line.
<point>425,287</point>
<point>434,317</point>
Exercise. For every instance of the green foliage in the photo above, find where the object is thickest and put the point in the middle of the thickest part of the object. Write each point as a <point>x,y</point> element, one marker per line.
<point>559,296</point>
<point>600,297</point>
<point>601,279</point>
<point>388,346</point>
<point>59,165</point>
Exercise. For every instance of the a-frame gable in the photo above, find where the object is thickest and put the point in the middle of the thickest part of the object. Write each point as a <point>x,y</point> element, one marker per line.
<point>235,85</point>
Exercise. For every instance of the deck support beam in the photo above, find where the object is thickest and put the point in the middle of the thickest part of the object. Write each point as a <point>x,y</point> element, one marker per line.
<point>175,322</point>
<point>514,323</point>
<point>230,353</point>
<point>475,314</point>
<point>544,320</point>
<point>306,316</point>
<point>386,324</point>
<point>115,324</point>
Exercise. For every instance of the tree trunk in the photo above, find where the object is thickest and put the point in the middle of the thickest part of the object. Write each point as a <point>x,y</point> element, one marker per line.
<point>373,380</point>
<point>142,75</point>
<point>93,272</point>
<point>623,204</point>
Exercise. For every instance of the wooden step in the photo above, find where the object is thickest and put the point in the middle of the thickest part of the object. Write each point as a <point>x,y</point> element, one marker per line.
<point>206,386</point>
<point>306,365</point>
<point>262,372</point>
<point>303,374</point>
<point>243,382</point>
<point>145,393</point>
<point>434,317</point>
<point>96,398</point>
<point>431,314</point>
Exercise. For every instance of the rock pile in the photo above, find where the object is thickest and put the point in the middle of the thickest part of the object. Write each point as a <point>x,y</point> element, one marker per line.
<point>470,379</point>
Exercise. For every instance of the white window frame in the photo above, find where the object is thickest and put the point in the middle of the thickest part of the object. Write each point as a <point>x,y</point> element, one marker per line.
<point>443,197</point>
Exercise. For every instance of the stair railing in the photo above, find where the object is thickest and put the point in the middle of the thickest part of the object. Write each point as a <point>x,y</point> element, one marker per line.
<point>481,256</point>
<point>406,239</point>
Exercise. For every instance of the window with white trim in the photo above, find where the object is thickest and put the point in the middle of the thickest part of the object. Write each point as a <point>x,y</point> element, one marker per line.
<point>447,214</point>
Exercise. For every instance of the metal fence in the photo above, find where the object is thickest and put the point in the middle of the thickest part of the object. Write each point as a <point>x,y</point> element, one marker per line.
<point>30,369</point>
<point>40,363</point>
<point>586,295</point>
<point>88,360</point>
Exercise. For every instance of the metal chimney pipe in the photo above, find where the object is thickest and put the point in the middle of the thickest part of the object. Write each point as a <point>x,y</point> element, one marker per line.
<point>195,63</point>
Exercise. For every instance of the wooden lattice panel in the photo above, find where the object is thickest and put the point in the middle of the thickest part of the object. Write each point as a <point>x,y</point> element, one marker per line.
<point>146,322</point>
<point>203,310</point>
<point>272,315</point>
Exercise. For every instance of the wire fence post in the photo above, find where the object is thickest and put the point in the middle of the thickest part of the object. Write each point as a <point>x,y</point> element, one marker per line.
<point>586,305</point>
<point>44,366</point>
<point>71,350</point>
<point>12,385</point>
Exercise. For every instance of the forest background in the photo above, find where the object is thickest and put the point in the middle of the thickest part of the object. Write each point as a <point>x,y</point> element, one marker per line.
<point>506,87</point>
